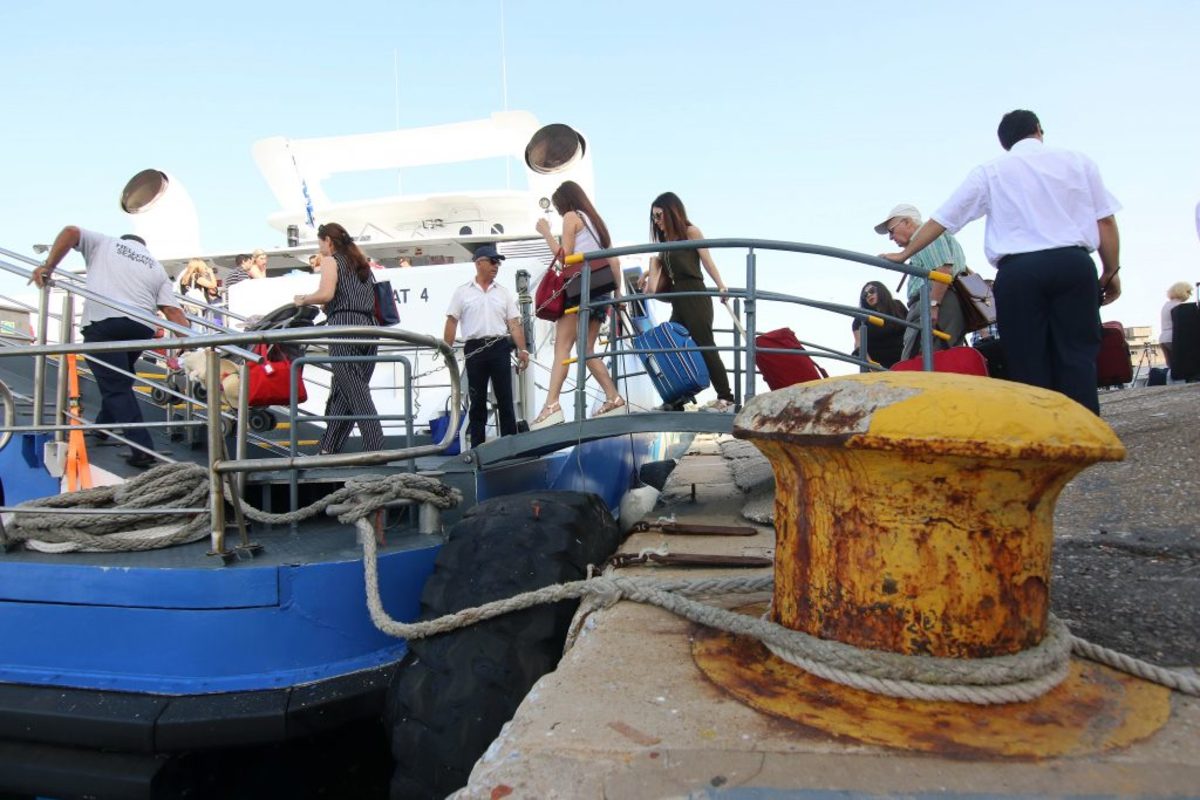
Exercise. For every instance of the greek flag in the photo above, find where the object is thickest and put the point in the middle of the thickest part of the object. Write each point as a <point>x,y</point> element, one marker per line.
<point>308,209</point>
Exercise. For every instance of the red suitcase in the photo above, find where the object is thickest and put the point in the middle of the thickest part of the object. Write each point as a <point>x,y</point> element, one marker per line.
<point>963,360</point>
<point>1114,365</point>
<point>785,369</point>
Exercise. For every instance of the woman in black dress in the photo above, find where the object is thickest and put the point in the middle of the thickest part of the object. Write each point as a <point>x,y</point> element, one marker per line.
<point>679,271</point>
<point>347,292</point>
<point>885,344</point>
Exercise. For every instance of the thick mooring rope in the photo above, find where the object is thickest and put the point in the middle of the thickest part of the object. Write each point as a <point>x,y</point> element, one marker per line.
<point>1002,679</point>
<point>983,681</point>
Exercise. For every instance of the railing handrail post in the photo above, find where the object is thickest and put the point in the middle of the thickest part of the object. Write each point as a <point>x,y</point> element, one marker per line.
<point>751,320</point>
<point>926,328</point>
<point>581,341</point>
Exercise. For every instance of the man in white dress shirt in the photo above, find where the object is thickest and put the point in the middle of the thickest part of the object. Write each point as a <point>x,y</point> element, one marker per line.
<point>488,314</point>
<point>1047,210</point>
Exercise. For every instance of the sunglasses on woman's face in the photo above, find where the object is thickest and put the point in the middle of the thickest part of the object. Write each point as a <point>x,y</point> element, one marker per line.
<point>656,216</point>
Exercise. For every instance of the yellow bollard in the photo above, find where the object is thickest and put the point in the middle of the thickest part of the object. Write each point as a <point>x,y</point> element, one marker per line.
<point>914,511</point>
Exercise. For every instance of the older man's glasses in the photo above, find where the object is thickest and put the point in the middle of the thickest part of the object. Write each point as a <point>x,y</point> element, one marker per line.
<point>892,230</point>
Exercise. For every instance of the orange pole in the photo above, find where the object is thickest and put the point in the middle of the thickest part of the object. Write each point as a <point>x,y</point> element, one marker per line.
<point>78,469</point>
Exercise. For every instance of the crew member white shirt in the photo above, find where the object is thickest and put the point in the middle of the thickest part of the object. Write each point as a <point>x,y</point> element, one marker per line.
<point>482,312</point>
<point>1035,198</point>
<point>122,270</point>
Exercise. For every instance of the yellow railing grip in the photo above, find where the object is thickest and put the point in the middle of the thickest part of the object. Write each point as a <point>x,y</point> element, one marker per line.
<point>574,258</point>
<point>876,321</point>
<point>945,337</point>
<point>572,310</point>
<point>941,277</point>
<point>569,361</point>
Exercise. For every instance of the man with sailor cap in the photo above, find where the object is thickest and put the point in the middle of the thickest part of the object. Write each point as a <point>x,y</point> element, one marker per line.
<point>491,322</point>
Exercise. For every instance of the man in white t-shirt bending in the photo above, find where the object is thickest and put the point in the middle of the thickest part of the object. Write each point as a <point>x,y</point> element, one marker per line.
<point>124,271</point>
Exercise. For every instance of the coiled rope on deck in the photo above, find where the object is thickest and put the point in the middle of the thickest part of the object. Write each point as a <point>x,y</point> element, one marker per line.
<point>187,485</point>
<point>179,485</point>
<point>1001,679</point>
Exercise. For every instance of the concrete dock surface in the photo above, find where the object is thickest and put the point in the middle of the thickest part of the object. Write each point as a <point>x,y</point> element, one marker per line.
<point>629,714</point>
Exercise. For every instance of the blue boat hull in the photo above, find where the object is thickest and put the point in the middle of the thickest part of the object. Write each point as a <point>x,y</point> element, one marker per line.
<point>201,630</point>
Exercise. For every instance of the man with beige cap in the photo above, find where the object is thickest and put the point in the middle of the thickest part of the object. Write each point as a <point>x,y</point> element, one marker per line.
<point>943,254</point>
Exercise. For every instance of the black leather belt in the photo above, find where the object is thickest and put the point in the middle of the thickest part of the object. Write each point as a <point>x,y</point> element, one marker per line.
<point>1010,256</point>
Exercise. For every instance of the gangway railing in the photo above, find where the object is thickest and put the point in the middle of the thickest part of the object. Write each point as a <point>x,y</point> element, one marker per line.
<point>751,295</point>
<point>744,348</point>
<point>74,286</point>
<point>219,464</point>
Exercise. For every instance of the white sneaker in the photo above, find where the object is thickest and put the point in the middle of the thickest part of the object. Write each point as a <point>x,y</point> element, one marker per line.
<point>718,406</point>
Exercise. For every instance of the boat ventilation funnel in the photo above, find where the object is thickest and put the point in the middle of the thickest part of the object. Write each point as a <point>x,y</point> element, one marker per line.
<point>163,214</point>
<point>556,153</point>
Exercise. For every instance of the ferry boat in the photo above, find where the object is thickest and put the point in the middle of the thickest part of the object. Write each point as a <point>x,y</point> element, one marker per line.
<point>113,662</point>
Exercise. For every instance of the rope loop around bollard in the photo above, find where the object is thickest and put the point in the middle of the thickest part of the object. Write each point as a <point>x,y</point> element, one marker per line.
<point>1000,679</point>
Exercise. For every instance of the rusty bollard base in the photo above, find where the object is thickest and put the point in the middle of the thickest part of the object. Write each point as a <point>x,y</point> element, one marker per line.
<point>914,511</point>
<point>1094,710</point>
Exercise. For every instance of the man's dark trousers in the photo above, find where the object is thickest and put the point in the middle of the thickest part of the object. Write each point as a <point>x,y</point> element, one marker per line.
<point>117,400</point>
<point>1048,311</point>
<point>488,360</point>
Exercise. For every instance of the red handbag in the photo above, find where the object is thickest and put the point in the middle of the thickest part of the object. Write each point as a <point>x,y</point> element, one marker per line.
<point>270,380</point>
<point>550,300</point>
<point>963,360</point>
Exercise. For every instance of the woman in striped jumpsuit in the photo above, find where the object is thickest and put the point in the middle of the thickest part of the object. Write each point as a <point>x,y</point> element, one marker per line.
<point>346,290</point>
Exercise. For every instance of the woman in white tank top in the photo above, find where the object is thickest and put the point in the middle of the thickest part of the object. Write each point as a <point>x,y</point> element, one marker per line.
<point>583,231</point>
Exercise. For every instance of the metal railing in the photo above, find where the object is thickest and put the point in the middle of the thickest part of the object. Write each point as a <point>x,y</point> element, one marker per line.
<point>219,465</point>
<point>750,297</point>
<point>224,471</point>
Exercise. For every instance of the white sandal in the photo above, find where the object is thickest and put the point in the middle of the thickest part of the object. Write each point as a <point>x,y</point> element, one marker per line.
<point>610,407</point>
<point>551,415</point>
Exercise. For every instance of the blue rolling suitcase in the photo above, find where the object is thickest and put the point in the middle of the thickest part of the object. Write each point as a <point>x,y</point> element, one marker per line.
<point>677,376</point>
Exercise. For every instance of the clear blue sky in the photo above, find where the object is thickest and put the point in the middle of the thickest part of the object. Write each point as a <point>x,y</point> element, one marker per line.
<point>798,121</point>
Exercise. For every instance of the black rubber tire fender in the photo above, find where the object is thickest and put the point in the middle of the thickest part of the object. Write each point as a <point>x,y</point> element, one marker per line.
<point>456,690</point>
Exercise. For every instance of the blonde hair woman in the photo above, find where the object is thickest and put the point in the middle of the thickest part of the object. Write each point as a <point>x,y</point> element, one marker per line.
<point>1178,294</point>
<point>198,283</point>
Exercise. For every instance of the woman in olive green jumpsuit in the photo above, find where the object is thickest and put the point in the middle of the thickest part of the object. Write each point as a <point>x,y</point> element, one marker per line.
<point>679,271</point>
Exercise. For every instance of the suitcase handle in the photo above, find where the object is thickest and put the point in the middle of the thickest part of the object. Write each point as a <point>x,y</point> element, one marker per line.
<point>737,323</point>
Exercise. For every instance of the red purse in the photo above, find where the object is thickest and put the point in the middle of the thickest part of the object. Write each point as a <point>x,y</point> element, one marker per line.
<point>270,380</point>
<point>550,300</point>
<point>963,360</point>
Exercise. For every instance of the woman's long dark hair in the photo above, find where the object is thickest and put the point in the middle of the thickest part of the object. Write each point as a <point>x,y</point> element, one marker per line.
<point>884,302</point>
<point>342,243</point>
<point>571,197</point>
<point>675,218</point>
